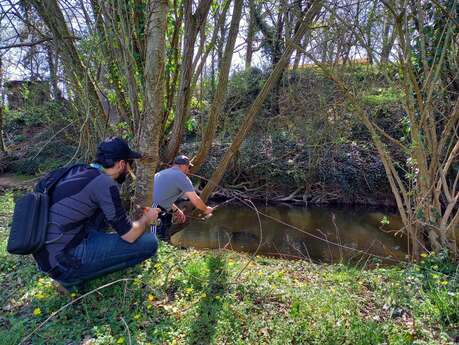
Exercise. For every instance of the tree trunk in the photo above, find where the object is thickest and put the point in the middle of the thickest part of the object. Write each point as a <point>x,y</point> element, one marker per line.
<point>2,143</point>
<point>211,46</point>
<point>193,23</point>
<point>250,37</point>
<point>112,55</point>
<point>256,105</point>
<point>221,42</point>
<point>217,104</point>
<point>151,125</point>
<point>77,73</point>
<point>52,63</point>
<point>388,40</point>
<point>173,60</point>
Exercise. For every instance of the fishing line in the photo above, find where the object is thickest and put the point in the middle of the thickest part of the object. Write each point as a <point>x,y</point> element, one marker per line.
<point>225,190</point>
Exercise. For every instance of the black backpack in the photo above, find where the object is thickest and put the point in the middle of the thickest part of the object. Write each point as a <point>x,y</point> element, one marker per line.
<point>30,218</point>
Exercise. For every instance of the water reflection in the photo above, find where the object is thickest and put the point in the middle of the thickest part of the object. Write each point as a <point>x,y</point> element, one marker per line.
<point>237,227</point>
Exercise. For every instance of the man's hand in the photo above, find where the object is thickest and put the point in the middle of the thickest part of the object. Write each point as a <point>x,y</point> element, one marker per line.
<point>179,216</point>
<point>151,214</point>
<point>138,227</point>
<point>208,210</point>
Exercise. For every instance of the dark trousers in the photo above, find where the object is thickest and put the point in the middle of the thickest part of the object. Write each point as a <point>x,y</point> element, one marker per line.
<point>102,253</point>
<point>162,230</point>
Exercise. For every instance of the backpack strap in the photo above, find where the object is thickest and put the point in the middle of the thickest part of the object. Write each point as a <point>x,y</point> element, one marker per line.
<point>58,175</point>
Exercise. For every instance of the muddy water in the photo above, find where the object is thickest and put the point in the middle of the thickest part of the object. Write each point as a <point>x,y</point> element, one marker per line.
<point>320,234</point>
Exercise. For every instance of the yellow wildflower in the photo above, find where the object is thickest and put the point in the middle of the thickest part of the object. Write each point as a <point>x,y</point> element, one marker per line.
<point>120,340</point>
<point>39,296</point>
<point>37,311</point>
<point>136,316</point>
<point>151,297</point>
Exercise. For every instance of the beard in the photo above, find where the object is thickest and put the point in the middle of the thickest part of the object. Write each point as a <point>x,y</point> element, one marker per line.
<point>122,177</point>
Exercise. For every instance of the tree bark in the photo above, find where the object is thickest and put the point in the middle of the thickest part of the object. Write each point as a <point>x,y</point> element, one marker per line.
<point>193,23</point>
<point>256,105</point>
<point>52,63</point>
<point>173,60</point>
<point>217,104</point>
<point>211,45</point>
<point>250,37</point>
<point>2,142</point>
<point>113,55</point>
<point>388,39</point>
<point>151,125</point>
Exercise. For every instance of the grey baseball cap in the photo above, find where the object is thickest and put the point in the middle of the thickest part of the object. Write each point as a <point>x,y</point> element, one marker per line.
<point>182,160</point>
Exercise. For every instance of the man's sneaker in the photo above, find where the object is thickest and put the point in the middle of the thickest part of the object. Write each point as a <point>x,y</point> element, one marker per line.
<point>61,288</point>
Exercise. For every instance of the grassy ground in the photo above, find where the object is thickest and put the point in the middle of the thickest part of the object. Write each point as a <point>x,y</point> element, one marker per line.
<point>197,297</point>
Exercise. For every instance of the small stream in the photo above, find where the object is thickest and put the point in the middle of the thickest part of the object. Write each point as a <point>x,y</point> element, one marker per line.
<point>324,234</point>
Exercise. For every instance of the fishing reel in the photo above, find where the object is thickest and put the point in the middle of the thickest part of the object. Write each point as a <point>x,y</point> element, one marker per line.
<point>163,215</point>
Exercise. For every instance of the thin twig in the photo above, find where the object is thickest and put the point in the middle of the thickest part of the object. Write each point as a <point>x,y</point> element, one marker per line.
<point>127,328</point>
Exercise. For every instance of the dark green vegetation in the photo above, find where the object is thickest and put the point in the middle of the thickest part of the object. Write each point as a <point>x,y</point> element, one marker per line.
<point>41,137</point>
<point>306,139</point>
<point>311,145</point>
<point>193,297</point>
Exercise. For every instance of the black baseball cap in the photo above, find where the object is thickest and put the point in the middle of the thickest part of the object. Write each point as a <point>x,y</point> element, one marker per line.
<point>182,160</point>
<point>115,148</point>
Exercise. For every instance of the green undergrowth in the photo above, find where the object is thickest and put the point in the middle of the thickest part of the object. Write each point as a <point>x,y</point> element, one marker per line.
<point>221,297</point>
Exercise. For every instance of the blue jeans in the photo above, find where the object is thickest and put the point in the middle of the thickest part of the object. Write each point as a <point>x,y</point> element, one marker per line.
<point>102,253</point>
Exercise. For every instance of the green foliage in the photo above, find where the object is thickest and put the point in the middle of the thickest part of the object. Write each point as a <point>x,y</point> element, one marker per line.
<point>47,128</point>
<point>191,125</point>
<point>123,130</point>
<point>385,220</point>
<point>41,159</point>
<point>243,88</point>
<point>313,138</point>
<point>382,96</point>
<point>32,115</point>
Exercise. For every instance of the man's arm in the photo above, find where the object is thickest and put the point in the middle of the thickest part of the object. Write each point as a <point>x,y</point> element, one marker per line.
<point>179,216</point>
<point>106,193</point>
<point>138,227</point>
<point>198,203</point>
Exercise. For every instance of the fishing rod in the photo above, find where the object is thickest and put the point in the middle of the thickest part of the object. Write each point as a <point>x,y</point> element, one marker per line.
<point>243,201</point>
<point>207,216</point>
<point>163,212</point>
